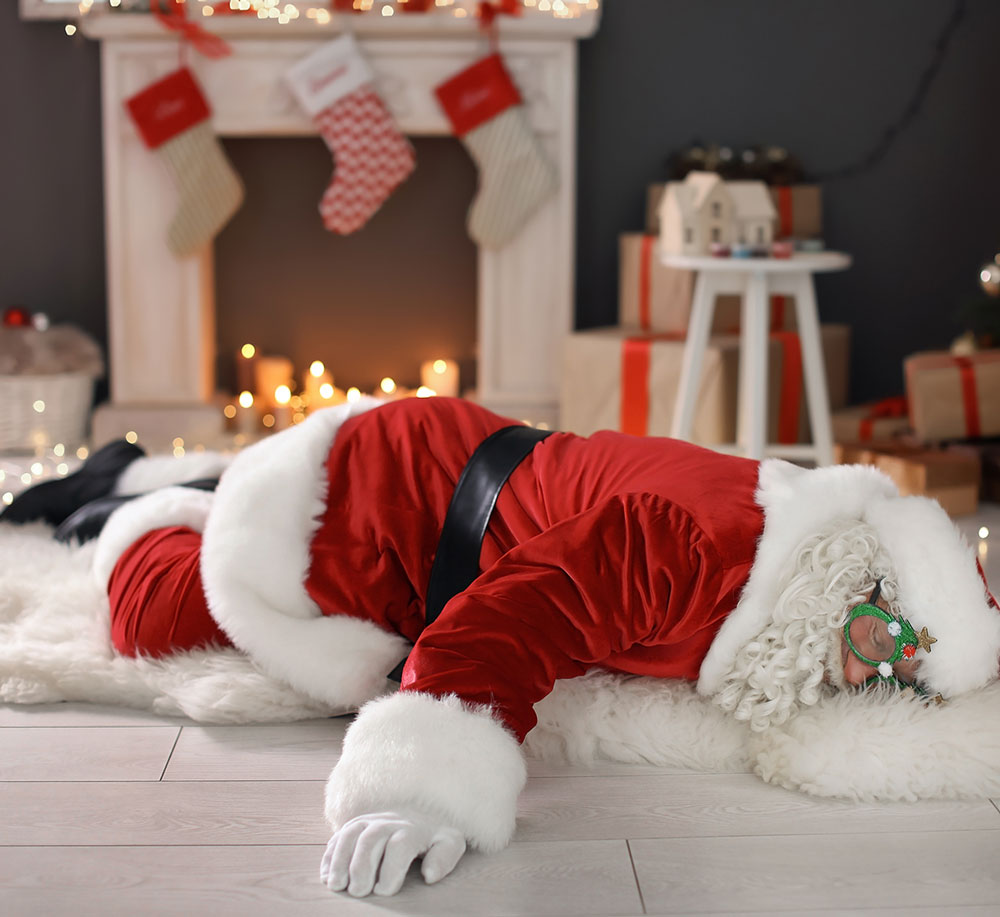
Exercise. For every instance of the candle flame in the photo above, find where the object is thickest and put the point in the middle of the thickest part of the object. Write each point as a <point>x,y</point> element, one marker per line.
<point>326,390</point>
<point>353,394</point>
<point>425,392</point>
<point>387,385</point>
<point>282,394</point>
<point>246,400</point>
<point>440,367</point>
<point>248,350</point>
<point>316,368</point>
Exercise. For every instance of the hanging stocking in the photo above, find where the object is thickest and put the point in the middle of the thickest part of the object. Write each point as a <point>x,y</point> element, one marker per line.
<point>173,118</point>
<point>371,156</point>
<point>515,175</point>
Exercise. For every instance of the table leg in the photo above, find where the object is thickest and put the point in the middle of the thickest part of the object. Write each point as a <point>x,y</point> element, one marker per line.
<point>814,370</point>
<point>752,418</point>
<point>702,310</point>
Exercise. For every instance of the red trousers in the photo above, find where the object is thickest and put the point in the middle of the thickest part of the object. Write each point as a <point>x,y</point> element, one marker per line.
<point>157,602</point>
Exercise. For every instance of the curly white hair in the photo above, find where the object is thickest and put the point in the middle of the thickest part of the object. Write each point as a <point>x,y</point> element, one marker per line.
<point>796,658</point>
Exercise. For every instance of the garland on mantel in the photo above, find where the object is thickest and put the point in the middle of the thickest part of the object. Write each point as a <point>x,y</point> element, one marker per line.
<point>286,11</point>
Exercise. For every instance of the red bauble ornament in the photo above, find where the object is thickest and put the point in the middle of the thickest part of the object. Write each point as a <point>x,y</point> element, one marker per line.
<point>909,650</point>
<point>17,317</point>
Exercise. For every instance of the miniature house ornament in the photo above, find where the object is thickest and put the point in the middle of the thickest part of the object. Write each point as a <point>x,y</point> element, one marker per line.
<point>704,210</point>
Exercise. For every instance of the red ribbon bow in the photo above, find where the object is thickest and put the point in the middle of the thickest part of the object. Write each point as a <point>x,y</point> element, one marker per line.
<point>174,17</point>
<point>889,407</point>
<point>488,11</point>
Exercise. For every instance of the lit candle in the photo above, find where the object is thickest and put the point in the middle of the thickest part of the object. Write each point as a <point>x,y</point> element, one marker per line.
<point>315,379</point>
<point>282,408</point>
<point>441,376</point>
<point>269,374</point>
<point>247,420</point>
<point>246,361</point>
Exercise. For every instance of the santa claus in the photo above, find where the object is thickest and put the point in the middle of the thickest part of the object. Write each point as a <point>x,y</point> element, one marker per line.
<point>495,561</point>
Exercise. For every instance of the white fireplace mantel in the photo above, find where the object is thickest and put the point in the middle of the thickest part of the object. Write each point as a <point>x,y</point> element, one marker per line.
<point>161,308</point>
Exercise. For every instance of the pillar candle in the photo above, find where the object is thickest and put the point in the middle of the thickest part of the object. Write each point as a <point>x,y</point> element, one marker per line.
<point>441,376</point>
<point>269,373</point>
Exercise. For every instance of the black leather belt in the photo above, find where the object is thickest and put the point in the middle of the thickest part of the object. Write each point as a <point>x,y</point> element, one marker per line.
<point>456,562</point>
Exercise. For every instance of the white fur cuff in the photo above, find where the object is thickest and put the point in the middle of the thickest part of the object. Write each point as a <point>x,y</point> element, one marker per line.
<point>170,506</point>
<point>447,759</point>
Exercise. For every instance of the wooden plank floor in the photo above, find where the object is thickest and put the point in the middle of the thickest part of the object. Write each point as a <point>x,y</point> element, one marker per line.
<point>111,812</point>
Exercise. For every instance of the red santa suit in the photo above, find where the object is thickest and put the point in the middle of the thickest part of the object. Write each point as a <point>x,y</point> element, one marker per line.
<point>620,552</point>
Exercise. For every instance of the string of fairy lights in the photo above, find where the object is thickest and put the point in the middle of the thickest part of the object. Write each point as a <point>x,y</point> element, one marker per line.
<point>285,12</point>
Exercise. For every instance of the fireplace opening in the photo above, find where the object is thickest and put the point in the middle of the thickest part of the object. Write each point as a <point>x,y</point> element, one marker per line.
<point>380,302</point>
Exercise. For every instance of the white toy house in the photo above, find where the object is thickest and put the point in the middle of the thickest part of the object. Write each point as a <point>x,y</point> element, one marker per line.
<point>703,209</point>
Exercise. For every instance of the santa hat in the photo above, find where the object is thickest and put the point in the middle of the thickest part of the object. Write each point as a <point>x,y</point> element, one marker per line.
<point>939,581</point>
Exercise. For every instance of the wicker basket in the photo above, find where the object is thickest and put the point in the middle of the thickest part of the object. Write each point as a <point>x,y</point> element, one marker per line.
<point>65,399</point>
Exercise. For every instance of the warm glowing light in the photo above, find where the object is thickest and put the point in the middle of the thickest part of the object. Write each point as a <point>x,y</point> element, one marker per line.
<point>131,437</point>
<point>62,468</point>
<point>984,532</point>
<point>8,498</point>
<point>298,417</point>
<point>425,392</point>
<point>267,420</point>
<point>246,400</point>
<point>178,451</point>
<point>353,394</point>
<point>59,450</point>
<point>282,394</point>
<point>82,452</point>
<point>542,425</point>
<point>440,366</point>
<point>26,478</point>
<point>386,10</point>
<point>70,29</point>
<point>37,468</point>
<point>296,402</point>
<point>326,390</point>
<point>248,350</point>
<point>39,406</point>
<point>178,442</point>
<point>316,368</point>
<point>387,385</point>
<point>230,411</point>
<point>207,11</point>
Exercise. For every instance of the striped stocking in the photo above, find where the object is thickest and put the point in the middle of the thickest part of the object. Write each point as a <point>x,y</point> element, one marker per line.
<point>172,117</point>
<point>515,175</point>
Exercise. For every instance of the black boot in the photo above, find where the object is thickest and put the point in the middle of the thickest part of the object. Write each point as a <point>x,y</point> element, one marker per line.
<point>88,520</point>
<point>54,501</point>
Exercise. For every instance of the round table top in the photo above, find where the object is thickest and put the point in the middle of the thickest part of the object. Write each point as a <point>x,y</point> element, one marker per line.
<point>814,262</point>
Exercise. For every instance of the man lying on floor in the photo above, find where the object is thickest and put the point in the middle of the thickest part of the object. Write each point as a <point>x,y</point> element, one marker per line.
<point>330,551</point>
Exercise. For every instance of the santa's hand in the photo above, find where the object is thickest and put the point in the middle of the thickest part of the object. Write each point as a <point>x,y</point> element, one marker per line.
<point>374,852</point>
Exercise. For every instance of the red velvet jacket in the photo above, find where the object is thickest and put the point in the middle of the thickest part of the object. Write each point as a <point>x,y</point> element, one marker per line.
<point>610,550</point>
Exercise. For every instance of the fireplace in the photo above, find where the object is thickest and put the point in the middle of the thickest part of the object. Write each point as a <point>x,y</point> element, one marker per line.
<point>161,310</point>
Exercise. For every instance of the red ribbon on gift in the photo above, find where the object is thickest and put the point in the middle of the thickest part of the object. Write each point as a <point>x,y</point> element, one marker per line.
<point>790,404</point>
<point>970,398</point>
<point>888,407</point>
<point>176,20</point>
<point>636,353</point>
<point>785,211</point>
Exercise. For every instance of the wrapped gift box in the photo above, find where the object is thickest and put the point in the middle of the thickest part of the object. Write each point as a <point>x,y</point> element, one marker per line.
<point>799,207</point>
<point>654,297</point>
<point>880,420</point>
<point>800,211</point>
<point>954,397</point>
<point>987,453</point>
<point>619,379</point>
<point>948,476</point>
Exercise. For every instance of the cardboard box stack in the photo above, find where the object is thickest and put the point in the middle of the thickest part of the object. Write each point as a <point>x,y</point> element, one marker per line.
<point>941,439</point>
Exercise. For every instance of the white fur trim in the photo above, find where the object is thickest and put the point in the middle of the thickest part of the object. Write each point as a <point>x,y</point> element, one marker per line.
<point>170,506</point>
<point>940,589</point>
<point>451,761</point>
<point>886,746</point>
<point>255,561</point>
<point>939,586</point>
<point>156,471</point>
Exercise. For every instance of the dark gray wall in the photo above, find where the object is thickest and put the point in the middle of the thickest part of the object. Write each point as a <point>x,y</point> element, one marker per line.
<point>823,78</point>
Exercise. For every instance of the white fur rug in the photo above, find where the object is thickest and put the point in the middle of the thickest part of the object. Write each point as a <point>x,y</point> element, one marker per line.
<point>55,646</point>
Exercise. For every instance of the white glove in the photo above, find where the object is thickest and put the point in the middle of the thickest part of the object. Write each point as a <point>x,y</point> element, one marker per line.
<point>382,846</point>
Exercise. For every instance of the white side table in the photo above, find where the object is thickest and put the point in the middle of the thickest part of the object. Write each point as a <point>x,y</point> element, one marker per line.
<point>755,280</point>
